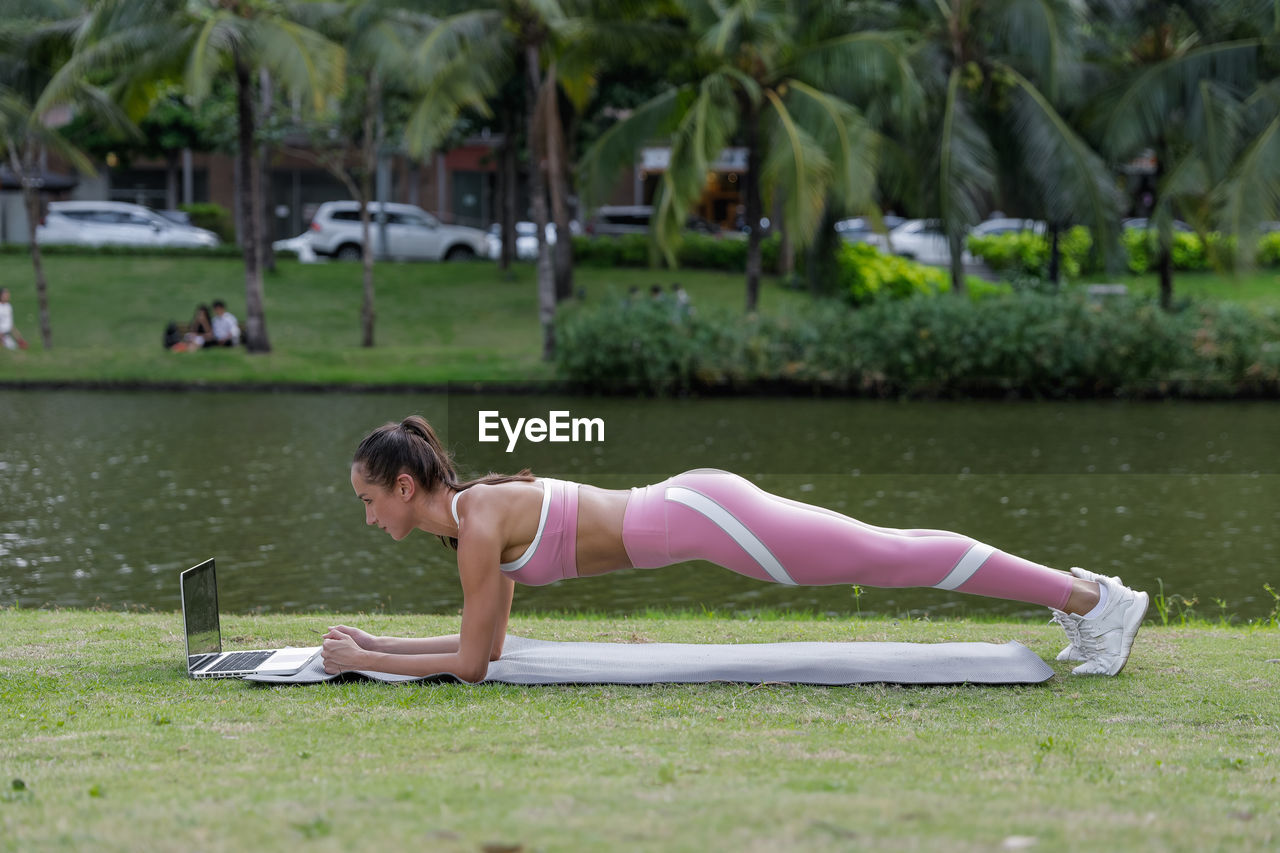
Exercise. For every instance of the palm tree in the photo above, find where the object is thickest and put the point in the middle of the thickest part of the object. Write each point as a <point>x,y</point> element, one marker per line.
<point>35,40</point>
<point>195,41</point>
<point>1000,76</point>
<point>780,78</point>
<point>555,47</point>
<point>1187,89</point>
<point>379,37</point>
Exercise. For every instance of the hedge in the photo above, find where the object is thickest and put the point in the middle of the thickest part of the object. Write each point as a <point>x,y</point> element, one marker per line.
<point>1007,344</point>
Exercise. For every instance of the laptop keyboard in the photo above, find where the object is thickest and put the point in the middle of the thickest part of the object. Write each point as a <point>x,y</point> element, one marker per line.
<point>239,661</point>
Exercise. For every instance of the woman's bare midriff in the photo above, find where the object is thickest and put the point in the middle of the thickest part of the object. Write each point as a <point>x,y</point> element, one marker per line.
<point>600,548</point>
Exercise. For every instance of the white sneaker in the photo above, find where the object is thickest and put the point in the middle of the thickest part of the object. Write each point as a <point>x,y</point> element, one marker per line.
<point>1071,624</point>
<point>1105,641</point>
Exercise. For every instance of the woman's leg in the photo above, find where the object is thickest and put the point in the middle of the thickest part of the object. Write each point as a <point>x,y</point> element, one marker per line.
<point>721,517</point>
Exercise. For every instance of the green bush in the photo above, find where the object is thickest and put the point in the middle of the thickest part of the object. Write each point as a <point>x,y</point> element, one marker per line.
<point>224,251</point>
<point>696,251</point>
<point>214,217</point>
<point>1026,344</point>
<point>866,274</point>
<point>1269,250</point>
<point>1027,252</point>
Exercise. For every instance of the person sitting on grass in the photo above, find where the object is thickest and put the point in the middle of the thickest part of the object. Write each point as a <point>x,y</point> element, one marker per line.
<point>198,333</point>
<point>226,330</point>
<point>9,335</point>
<point>518,528</point>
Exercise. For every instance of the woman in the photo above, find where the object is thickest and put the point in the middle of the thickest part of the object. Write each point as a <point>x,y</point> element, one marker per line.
<point>198,333</point>
<point>538,531</point>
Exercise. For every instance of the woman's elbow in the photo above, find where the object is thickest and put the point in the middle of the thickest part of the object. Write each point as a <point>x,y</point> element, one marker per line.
<point>473,672</point>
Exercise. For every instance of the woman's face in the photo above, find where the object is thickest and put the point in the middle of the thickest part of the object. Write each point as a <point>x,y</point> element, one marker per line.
<point>391,509</point>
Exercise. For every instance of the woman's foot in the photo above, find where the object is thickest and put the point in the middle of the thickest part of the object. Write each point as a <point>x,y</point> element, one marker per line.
<point>1105,640</point>
<point>1070,624</point>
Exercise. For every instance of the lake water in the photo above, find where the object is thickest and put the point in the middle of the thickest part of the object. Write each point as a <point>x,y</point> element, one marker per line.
<point>105,497</point>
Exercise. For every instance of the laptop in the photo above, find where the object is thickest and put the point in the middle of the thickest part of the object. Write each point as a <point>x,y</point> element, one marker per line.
<point>205,657</point>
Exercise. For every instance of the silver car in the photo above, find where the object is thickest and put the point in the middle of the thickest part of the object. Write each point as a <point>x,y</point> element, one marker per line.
<point>411,234</point>
<point>117,223</point>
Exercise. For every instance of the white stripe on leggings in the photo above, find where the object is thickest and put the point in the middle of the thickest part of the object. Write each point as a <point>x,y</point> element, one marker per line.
<point>967,567</point>
<point>738,531</point>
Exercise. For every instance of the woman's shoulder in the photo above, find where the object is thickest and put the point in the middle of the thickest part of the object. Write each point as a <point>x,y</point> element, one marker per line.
<point>497,495</point>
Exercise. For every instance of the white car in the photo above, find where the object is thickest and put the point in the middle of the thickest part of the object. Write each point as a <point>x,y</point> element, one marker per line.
<point>923,240</point>
<point>1005,225</point>
<point>117,223</point>
<point>411,233</point>
<point>526,240</point>
<point>862,229</point>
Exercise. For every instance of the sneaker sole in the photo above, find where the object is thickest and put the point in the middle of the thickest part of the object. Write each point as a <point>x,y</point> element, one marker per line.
<point>1132,622</point>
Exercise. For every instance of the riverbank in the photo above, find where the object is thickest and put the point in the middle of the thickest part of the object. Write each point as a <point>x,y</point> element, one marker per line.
<point>438,324</point>
<point>106,743</point>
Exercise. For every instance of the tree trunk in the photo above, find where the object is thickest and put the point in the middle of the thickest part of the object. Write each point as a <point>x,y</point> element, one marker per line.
<point>1055,256</point>
<point>1165,265</point>
<point>752,132</point>
<point>538,199</point>
<point>786,252</point>
<point>956,243</point>
<point>511,193</point>
<point>32,199</point>
<point>264,164</point>
<point>250,206</point>
<point>558,183</point>
<point>505,252</point>
<point>370,155</point>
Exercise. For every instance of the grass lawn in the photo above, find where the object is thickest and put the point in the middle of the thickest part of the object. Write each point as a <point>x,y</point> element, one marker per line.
<point>105,744</point>
<point>436,322</point>
<point>1259,288</point>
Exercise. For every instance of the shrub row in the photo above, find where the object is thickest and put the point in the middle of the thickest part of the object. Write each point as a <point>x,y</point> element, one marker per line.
<point>696,251</point>
<point>1025,344</point>
<point>224,251</point>
<point>1028,253</point>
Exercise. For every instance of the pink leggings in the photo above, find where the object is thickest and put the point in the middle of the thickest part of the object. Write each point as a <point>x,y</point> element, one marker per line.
<point>717,516</point>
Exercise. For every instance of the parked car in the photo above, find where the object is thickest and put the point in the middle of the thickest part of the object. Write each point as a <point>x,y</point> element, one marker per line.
<point>614,220</point>
<point>861,229</point>
<point>412,233</point>
<point>526,240</point>
<point>1141,223</point>
<point>117,223</point>
<point>923,240</point>
<point>1006,225</point>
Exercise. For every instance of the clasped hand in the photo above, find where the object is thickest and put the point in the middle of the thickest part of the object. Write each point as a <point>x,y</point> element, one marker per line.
<point>344,649</point>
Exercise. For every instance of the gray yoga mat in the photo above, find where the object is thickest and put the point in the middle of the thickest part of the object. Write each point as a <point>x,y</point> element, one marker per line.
<point>526,661</point>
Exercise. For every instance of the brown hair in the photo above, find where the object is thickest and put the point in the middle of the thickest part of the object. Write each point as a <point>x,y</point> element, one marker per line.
<point>411,447</point>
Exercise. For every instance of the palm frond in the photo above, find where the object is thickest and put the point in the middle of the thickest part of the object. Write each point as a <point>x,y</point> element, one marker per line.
<point>795,163</point>
<point>1146,103</point>
<point>849,142</point>
<point>616,148</point>
<point>1072,181</point>
<point>302,59</point>
<point>1251,192</point>
<point>703,131</point>
<point>966,164</point>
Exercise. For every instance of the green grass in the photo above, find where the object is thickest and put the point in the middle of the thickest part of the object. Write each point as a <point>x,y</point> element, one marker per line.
<point>436,322</point>
<point>1258,287</point>
<point>105,744</point>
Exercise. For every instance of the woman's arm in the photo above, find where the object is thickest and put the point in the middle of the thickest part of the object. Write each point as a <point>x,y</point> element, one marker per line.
<point>486,605</point>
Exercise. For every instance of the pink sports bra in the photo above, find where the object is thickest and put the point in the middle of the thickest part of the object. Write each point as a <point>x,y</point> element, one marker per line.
<point>553,554</point>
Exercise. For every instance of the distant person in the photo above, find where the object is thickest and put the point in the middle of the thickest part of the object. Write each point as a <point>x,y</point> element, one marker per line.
<point>656,294</point>
<point>8,332</point>
<point>680,297</point>
<point>226,329</point>
<point>199,333</point>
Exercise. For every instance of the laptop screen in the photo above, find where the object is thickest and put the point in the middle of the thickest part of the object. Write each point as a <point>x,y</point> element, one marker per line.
<point>200,610</point>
